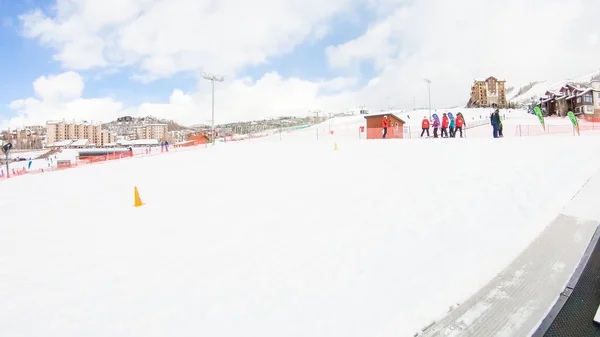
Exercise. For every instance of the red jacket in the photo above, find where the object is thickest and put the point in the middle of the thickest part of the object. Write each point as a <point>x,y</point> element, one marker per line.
<point>459,122</point>
<point>445,122</point>
<point>384,123</point>
<point>425,123</point>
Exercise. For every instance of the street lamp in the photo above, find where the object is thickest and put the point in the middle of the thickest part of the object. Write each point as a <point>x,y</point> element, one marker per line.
<point>429,88</point>
<point>212,78</point>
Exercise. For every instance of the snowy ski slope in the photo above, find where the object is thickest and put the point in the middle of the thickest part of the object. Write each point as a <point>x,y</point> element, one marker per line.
<point>277,238</point>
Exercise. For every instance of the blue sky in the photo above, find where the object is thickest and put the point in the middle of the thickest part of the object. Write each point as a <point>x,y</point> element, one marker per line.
<point>23,60</point>
<point>408,40</point>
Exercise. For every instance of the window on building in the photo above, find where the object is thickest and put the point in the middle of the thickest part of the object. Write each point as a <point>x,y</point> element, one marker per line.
<point>589,108</point>
<point>587,99</point>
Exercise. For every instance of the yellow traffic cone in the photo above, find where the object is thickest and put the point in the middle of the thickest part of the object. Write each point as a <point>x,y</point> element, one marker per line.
<point>335,146</point>
<point>137,201</point>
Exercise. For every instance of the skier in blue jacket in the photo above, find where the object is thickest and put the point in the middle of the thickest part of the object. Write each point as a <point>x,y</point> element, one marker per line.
<point>452,127</point>
<point>496,123</point>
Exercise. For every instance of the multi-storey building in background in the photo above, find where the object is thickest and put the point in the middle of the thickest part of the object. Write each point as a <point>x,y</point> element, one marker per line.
<point>29,137</point>
<point>488,92</point>
<point>58,131</point>
<point>151,131</point>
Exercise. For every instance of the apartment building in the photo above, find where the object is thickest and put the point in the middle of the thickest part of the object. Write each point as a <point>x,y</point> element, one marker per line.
<point>582,100</point>
<point>488,92</point>
<point>151,131</point>
<point>57,131</point>
<point>29,137</point>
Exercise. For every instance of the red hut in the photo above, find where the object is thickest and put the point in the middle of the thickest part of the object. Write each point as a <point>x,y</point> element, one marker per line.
<point>375,130</point>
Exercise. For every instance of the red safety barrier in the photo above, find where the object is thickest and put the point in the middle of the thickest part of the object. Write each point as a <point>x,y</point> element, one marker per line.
<point>554,129</point>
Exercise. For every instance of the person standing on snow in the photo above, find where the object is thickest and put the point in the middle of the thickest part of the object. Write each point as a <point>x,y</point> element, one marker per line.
<point>460,122</point>
<point>384,124</point>
<point>425,126</point>
<point>452,126</point>
<point>495,121</point>
<point>436,126</point>
<point>445,124</point>
<point>500,127</point>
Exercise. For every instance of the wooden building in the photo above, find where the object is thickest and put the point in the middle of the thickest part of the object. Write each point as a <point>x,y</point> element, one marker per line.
<point>570,97</point>
<point>375,131</point>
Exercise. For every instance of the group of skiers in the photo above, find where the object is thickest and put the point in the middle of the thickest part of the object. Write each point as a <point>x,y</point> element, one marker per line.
<point>448,126</point>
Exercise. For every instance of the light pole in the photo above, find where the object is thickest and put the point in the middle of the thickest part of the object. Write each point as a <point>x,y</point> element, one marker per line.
<point>316,112</point>
<point>429,89</point>
<point>212,78</point>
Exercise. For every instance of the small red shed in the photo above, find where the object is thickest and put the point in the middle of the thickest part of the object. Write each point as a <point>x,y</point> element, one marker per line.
<point>375,131</point>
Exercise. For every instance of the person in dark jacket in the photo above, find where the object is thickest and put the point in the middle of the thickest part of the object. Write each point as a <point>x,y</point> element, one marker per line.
<point>496,123</point>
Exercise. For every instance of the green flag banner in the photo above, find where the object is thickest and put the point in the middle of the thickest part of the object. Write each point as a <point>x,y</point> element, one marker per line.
<point>538,113</point>
<point>572,118</point>
<point>574,121</point>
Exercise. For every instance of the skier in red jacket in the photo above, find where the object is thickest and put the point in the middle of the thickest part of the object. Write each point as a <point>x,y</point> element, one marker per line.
<point>445,124</point>
<point>384,124</point>
<point>425,126</point>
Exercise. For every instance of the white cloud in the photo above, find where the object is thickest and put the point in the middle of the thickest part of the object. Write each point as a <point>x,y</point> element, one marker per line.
<point>61,97</point>
<point>450,42</point>
<point>164,37</point>
<point>453,42</point>
<point>66,86</point>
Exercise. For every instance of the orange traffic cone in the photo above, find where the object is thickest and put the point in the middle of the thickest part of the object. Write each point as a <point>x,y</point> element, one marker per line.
<point>137,201</point>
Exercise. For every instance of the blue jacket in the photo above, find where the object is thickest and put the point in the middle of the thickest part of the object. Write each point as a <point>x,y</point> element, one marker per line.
<point>452,122</point>
<point>495,119</point>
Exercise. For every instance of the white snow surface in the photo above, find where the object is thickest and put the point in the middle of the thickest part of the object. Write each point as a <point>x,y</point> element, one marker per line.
<point>270,239</point>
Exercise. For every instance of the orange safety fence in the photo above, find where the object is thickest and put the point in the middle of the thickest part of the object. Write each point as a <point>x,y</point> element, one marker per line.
<point>87,160</point>
<point>107,157</point>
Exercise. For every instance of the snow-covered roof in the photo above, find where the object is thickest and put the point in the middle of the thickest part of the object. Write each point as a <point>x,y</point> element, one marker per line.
<point>585,91</point>
<point>383,114</point>
<point>184,142</point>
<point>139,142</point>
<point>61,143</point>
<point>80,142</point>
<point>571,85</point>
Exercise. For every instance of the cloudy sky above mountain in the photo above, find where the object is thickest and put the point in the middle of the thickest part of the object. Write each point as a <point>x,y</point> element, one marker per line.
<point>100,59</point>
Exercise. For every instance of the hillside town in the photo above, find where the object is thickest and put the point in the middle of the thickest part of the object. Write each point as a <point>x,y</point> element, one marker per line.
<point>581,97</point>
<point>135,131</point>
